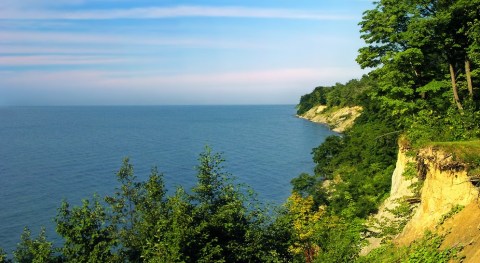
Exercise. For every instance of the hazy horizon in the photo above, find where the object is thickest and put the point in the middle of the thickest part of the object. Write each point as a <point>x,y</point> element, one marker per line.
<point>92,52</point>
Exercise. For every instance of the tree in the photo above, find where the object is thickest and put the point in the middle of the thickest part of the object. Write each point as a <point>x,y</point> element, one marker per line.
<point>325,153</point>
<point>305,218</point>
<point>152,211</point>
<point>137,209</point>
<point>36,250</point>
<point>413,43</point>
<point>88,236</point>
<point>220,217</point>
<point>3,256</point>
<point>172,233</point>
<point>124,212</point>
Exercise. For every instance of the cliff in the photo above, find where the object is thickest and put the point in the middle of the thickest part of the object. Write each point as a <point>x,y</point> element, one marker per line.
<point>446,185</point>
<point>401,191</point>
<point>446,204</point>
<point>449,199</point>
<point>337,118</point>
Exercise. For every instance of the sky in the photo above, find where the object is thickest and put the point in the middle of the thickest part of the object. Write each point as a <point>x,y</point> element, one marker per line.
<point>139,52</point>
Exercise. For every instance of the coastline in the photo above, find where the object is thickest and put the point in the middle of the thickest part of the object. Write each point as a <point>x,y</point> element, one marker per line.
<point>338,119</point>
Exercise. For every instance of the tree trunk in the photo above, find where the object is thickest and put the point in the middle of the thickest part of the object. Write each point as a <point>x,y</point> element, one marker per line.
<point>455,88</point>
<point>469,77</point>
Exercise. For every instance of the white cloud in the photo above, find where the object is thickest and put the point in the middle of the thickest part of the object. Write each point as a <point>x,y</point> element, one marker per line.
<point>171,12</point>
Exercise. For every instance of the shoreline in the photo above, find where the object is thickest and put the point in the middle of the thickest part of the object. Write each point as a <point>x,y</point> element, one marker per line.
<point>337,119</point>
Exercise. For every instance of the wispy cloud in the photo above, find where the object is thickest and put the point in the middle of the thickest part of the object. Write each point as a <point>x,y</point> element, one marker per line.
<point>15,49</point>
<point>23,37</point>
<point>172,12</point>
<point>48,60</point>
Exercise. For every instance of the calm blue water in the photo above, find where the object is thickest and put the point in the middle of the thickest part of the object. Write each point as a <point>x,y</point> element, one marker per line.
<point>52,153</point>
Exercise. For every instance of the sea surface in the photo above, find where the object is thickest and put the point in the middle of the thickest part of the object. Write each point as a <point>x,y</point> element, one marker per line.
<point>52,153</point>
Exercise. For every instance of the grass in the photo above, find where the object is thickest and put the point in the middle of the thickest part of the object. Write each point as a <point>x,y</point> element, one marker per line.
<point>465,151</point>
<point>425,249</point>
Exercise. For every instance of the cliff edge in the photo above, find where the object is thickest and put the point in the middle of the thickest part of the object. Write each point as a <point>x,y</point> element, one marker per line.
<point>442,196</point>
<point>446,185</point>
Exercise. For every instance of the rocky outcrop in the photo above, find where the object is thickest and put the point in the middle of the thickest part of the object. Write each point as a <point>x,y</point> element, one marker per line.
<point>437,206</point>
<point>446,185</point>
<point>338,119</point>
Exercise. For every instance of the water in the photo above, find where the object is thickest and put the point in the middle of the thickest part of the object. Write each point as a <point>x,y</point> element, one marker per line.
<point>52,153</point>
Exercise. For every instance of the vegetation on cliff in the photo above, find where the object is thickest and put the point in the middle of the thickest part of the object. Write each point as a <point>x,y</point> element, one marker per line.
<point>423,84</point>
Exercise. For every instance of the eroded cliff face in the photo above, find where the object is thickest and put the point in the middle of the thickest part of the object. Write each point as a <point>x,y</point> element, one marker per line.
<point>446,185</point>
<point>400,191</point>
<point>401,184</point>
<point>338,119</point>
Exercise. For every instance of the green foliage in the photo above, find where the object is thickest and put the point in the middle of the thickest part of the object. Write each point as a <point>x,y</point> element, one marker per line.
<point>364,167</point>
<point>88,236</point>
<point>410,171</point>
<point>36,250</point>
<point>410,45</point>
<point>222,218</point>
<point>220,221</point>
<point>310,185</point>
<point>324,154</point>
<point>425,249</point>
<point>137,208</point>
<point>125,217</point>
<point>465,152</point>
<point>455,210</point>
<point>402,213</point>
<point>317,236</point>
<point>351,93</point>
<point>430,125</point>
<point>3,256</point>
<point>416,187</point>
<point>316,97</point>
<point>340,239</point>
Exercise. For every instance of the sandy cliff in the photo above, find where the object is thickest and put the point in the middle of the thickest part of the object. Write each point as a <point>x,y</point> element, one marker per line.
<point>338,119</point>
<point>446,185</point>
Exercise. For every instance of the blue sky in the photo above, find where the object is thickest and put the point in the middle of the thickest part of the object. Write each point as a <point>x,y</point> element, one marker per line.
<point>125,52</point>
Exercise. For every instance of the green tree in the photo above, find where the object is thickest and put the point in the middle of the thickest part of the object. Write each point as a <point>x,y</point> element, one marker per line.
<point>317,97</point>
<point>325,153</point>
<point>125,216</point>
<point>305,218</point>
<point>173,233</point>
<point>220,217</point>
<point>152,211</point>
<point>36,250</point>
<point>3,256</point>
<point>137,210</point>
<point>219,222</point>
<point>413,43</point>
<point>87,234</point>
